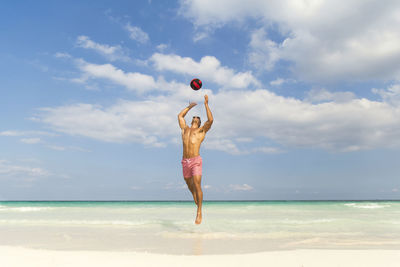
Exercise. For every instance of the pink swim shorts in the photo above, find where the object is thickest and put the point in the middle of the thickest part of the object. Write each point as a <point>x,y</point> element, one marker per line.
<point>192,166</point>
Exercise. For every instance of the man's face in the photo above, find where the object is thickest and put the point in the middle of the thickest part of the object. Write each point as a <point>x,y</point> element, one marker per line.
<point>196,120</point>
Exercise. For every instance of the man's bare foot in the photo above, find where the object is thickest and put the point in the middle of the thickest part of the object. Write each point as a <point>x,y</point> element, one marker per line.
<point>198,218</point>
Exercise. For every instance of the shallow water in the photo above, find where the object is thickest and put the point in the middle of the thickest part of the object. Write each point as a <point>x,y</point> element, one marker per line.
<point>227,228</point>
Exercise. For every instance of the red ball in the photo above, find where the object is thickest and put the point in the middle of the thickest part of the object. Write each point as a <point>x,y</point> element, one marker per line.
<point>196,84</point>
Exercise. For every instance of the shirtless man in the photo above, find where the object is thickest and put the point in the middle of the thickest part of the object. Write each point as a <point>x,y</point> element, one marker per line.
<point>191,160</point>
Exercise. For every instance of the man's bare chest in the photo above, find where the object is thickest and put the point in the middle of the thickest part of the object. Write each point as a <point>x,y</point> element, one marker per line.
<point>192,136</point>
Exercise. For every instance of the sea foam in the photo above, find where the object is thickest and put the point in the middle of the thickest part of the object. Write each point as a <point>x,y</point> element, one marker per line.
<point>367,205</point>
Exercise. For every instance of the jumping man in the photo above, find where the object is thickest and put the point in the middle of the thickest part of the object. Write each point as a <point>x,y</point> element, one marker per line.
<point>192,137</point>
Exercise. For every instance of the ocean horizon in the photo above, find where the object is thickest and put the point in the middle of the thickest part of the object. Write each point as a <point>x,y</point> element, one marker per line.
<point>210,200</point>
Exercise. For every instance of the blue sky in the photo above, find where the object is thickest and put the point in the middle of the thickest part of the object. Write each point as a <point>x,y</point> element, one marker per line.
<point>305,97</point>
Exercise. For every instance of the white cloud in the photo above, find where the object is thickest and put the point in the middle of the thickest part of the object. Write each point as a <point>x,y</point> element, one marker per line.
<point>30,140</point>
<point>65,148</point>
<point>232,146</point>
<point>324,40</point>
<point>223,144</point>
<point>175,186</point>
<point>238,187</point>
<point>277,82</point>
<point>8,169</point>
<point>77,148</point>
<point>267,150</point>
<point>198,36</point>
<point>127,121</point>
<point>131,80</point>
<point>337,121</point>
<point>11,133</point>
<point>322,95</point>
<point>58,148</point>
<point>284,122</point>
<point>352,125</point>
<point>209,68</point>
<point>137,34</point>
<point>62,55</point>
<point>162,47</point>
<point>264,52</point>
<point>152,121</point>
<point>25,133</point>
<point>390,95</point>
<point>110,52</point>
<point>135,187</point>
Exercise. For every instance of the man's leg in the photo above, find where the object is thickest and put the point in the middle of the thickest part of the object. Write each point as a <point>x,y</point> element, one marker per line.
<point>190,184</point>
<point>199,196</point>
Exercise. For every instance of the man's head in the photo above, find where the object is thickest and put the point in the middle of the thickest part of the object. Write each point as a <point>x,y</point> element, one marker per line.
<point>196,121</point>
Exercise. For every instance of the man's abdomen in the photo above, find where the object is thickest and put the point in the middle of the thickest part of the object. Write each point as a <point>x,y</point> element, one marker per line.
<point>190,150</point>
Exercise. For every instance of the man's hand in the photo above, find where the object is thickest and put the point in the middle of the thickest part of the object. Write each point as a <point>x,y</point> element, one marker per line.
<point>192,105</point>
<point>205,99</point>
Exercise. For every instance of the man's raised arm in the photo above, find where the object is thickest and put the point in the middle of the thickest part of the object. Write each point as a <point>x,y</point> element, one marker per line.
<point>182,114</point>
<point>208,123</point>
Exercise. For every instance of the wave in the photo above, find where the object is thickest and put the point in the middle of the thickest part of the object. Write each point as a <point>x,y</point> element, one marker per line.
<point>307,221</point>
<point>82,222</point>
<point>367,205</point>
<point>24,209</point>
<point>253,235</point>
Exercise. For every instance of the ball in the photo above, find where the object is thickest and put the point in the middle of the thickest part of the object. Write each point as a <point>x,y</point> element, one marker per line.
<point>196,84</point>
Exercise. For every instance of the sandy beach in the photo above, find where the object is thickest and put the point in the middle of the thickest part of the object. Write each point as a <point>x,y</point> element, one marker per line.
<point>22,257</point>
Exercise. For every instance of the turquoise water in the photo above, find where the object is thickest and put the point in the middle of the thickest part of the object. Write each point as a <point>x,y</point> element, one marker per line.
<point>228,227</point>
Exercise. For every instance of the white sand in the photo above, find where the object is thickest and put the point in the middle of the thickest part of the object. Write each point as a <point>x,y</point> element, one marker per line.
<point>23,257</point>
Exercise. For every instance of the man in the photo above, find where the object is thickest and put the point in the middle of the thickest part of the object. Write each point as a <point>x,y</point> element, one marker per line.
<point>192,137</point>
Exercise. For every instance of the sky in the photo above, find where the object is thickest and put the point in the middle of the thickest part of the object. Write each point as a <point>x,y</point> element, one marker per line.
<point>305,97</point>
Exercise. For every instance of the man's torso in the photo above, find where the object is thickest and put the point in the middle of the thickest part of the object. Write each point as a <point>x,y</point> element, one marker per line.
<point>191,139</point>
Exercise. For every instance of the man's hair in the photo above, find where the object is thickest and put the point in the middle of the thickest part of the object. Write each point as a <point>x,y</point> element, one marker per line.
<point>199,120</point>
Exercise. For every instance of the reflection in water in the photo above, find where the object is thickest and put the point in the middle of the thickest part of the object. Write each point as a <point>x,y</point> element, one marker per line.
<point>198,246</point>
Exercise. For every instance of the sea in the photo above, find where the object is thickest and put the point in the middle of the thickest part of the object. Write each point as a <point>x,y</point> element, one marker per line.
<point>228,227</point>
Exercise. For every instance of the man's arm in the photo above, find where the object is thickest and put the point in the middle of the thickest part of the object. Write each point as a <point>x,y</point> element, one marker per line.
<point>208,123</point>
<point>182,114</point>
